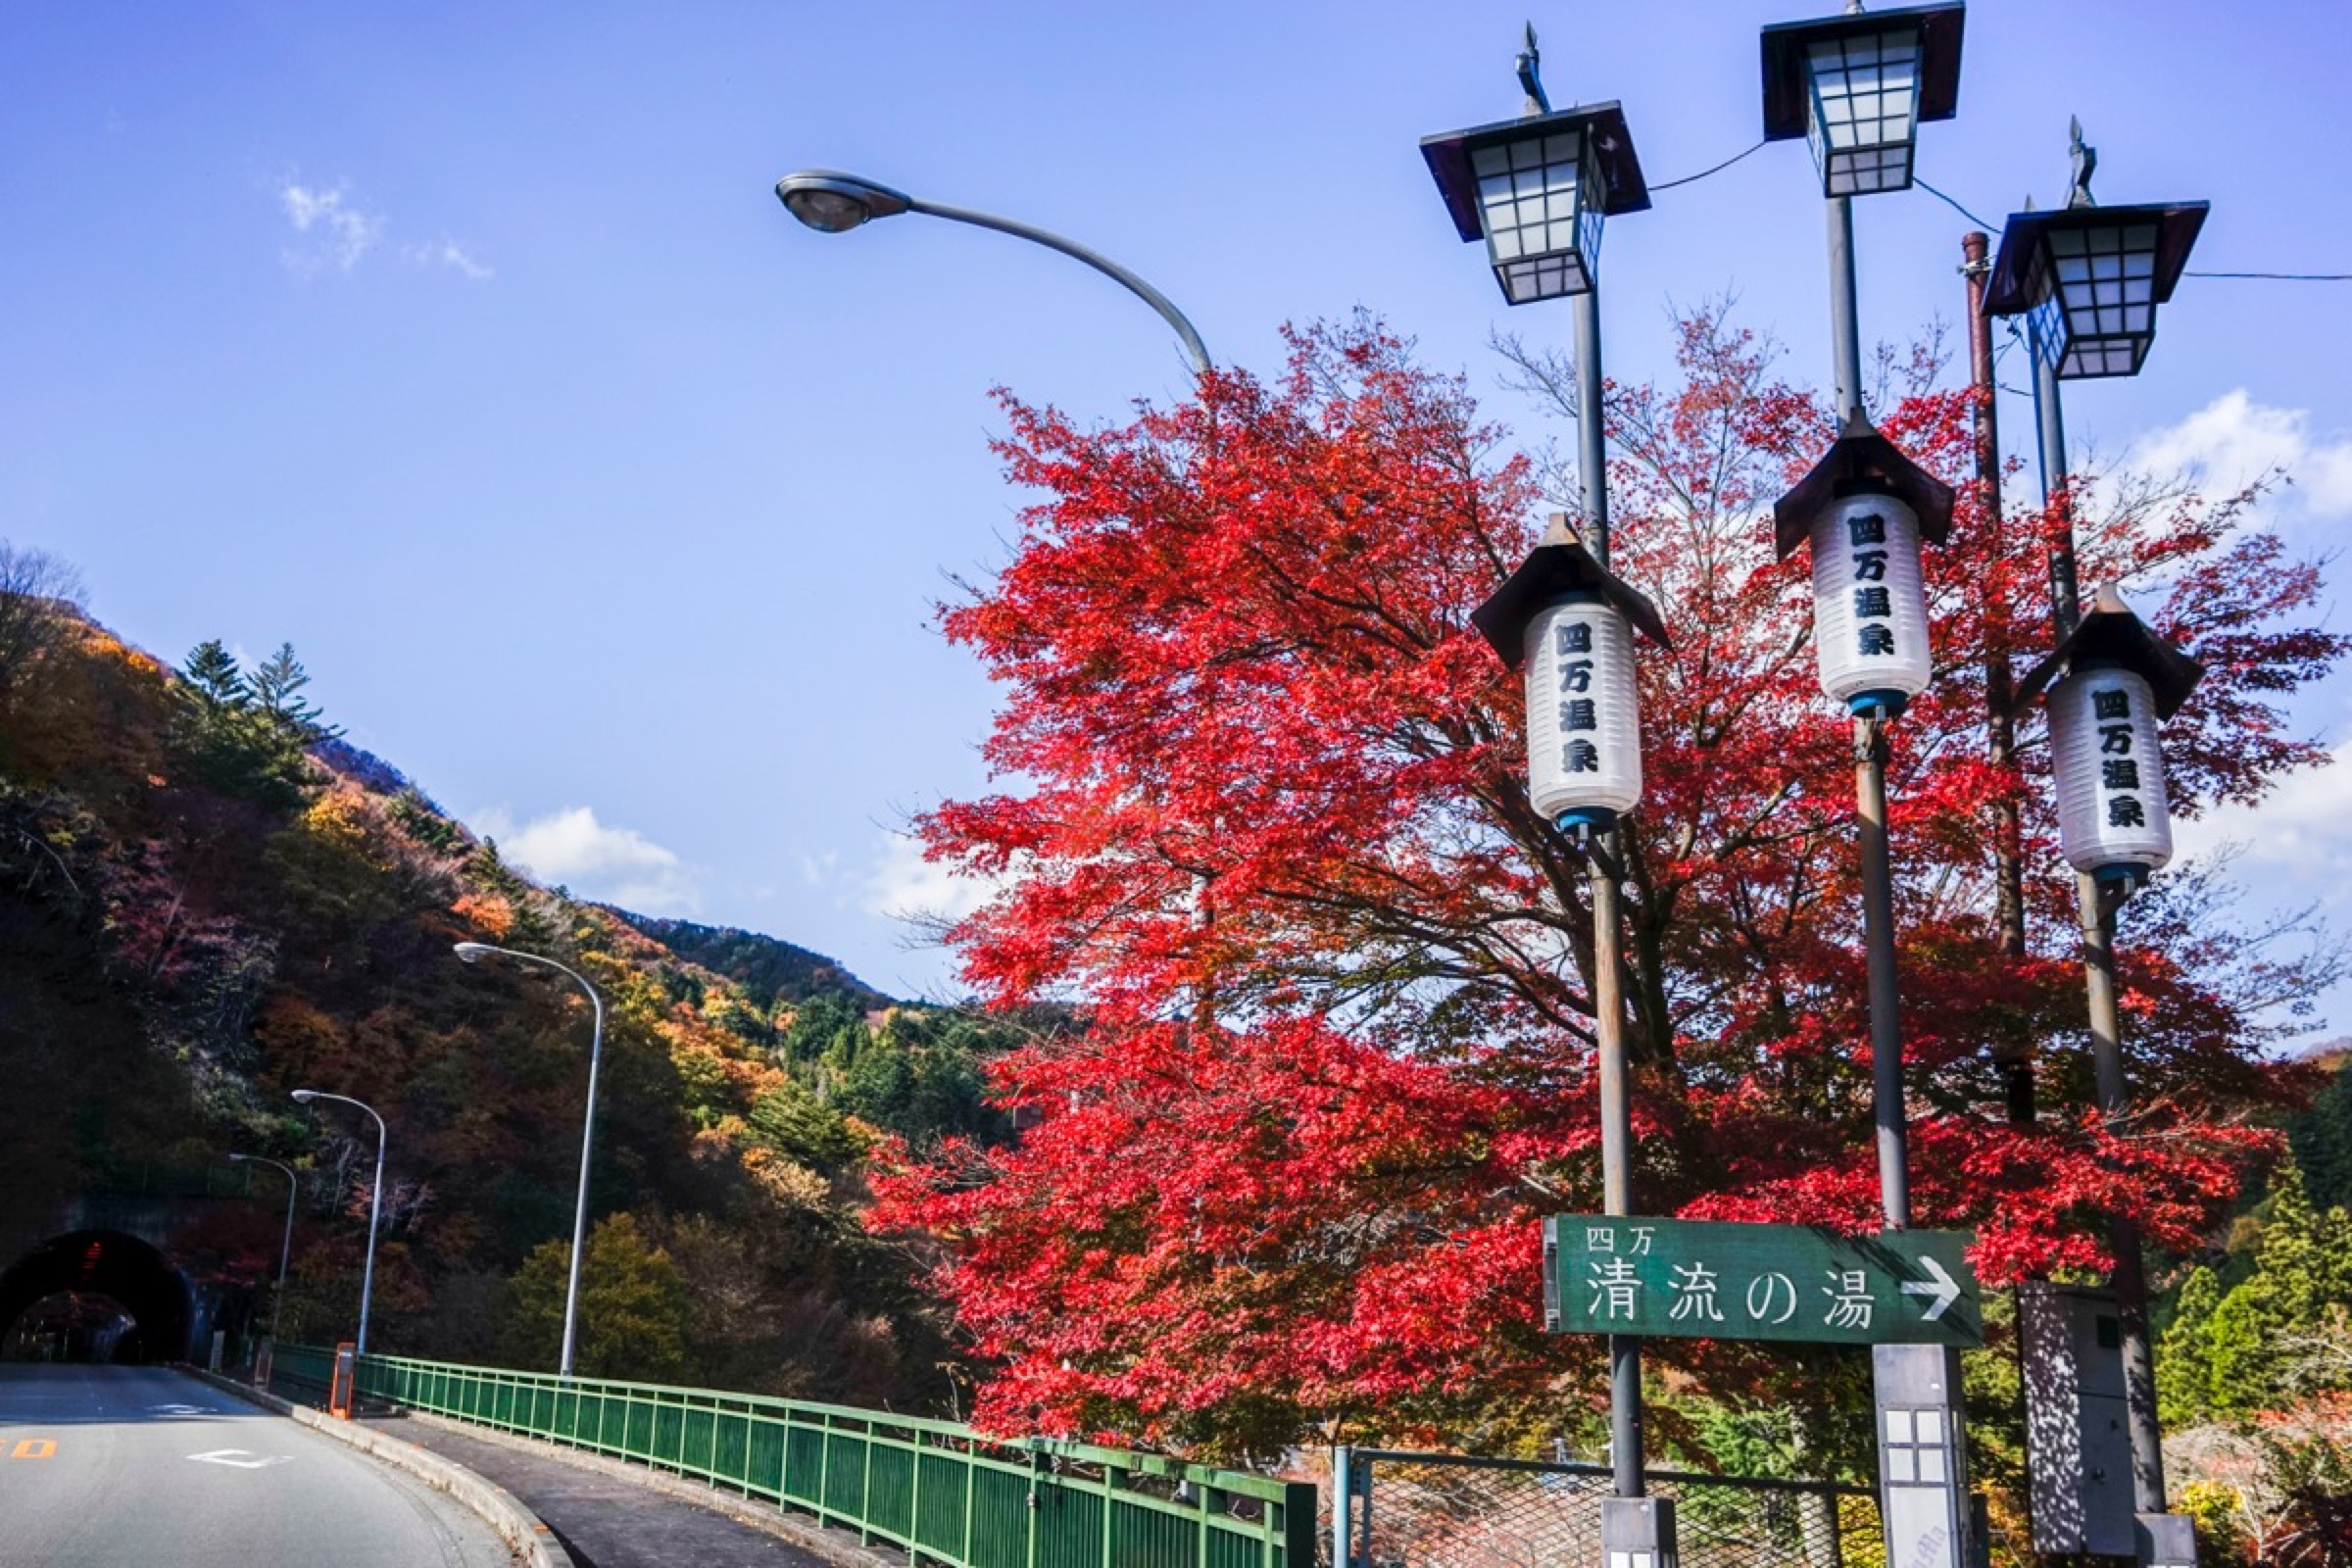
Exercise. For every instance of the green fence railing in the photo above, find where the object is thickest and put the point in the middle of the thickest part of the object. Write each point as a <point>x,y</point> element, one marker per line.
<point>936,1489</point>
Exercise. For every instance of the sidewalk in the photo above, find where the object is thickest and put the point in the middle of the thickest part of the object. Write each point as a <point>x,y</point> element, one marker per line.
<point>611,1515</point>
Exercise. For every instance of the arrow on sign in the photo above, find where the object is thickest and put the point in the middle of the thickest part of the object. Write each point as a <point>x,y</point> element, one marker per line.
<point>240,1458</point>
<point>1944,1287</point>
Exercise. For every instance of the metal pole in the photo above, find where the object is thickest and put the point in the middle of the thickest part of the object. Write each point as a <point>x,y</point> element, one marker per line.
<point>376,1209</point>
<point>2095,916</point>
<point>1870,782</point>
<point>2049,431</point>
<point>1878,935</point>
<point>1168,313</point>
<point>1608,1001</point>
<point>2000,727</point>
<point>579,1217</point>
<point>1845,329</point>
<point>286,1244</point>
<point>469,951</point>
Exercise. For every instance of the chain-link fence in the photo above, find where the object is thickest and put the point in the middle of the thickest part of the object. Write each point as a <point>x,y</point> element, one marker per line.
<point>1442,1510</point>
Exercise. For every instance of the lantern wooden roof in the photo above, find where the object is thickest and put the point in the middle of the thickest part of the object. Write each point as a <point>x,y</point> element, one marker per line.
<point>1862,460</point>
<point>2112,635</point>
<point>1557,566</point>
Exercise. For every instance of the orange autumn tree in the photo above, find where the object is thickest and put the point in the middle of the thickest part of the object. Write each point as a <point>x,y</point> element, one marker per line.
<point>1264,820</point>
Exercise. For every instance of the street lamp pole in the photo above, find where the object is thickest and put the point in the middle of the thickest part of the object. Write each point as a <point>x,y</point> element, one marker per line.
<point>285,1246</point>
<point>2089,281</point>
<point>1538,190</point>
<point>834,203</point>
<point>376,1203</point>
<point>475,953</point>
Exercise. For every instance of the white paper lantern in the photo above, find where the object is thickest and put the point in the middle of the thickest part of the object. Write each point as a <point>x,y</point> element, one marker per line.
<point>1584,728</point>
<point>2112,811</point>
<point>1869,614</point>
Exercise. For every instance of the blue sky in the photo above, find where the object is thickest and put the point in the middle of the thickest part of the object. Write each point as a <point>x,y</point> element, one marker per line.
<point>465,346</point>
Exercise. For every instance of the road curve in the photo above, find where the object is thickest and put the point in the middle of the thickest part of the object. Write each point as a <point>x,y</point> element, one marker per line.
<point>102,1466</point>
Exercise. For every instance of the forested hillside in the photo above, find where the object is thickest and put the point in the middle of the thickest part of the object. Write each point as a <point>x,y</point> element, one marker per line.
<point>207,900</point>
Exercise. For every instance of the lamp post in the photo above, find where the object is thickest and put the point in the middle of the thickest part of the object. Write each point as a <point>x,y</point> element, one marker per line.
<point>475,953</point>
<point>1857,87</point>
<point>2089,281</point>
<point>1536,190</point>
<point>834,203</point>
<point>376,1203</point>
<point>285,1246</point>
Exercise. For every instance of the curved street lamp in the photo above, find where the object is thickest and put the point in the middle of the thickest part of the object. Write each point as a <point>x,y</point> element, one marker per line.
<point>834,203</point>
<point>375,1203</point>
<point>285,1246</point>
<point>475,953</point>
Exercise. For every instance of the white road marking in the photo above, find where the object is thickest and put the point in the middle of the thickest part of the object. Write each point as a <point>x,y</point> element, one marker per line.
<point>241,1458</point>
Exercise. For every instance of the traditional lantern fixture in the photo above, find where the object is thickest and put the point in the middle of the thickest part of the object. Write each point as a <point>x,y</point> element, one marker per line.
<point>1856,87</point>
<point>1569,620</point>
<point>1535,189</point>
<point>2111,682</point>
<point>1865,507</point>
<point>2089,278</point>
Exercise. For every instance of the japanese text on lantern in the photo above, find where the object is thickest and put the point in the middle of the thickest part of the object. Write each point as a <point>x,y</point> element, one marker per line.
<point>1874,604</point>
<point>1579,715</point>
<point>2119,768</point>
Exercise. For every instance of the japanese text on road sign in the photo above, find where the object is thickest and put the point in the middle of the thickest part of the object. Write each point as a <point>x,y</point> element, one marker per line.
<point>1698,1279</point>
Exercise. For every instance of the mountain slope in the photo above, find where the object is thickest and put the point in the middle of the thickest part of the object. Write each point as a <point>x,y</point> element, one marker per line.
<point>205,903</point>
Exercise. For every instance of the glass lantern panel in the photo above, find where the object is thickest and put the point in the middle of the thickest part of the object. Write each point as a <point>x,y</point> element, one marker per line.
<point>2095,293</point>
<point>1864,108</point>
<point>1538,199</point>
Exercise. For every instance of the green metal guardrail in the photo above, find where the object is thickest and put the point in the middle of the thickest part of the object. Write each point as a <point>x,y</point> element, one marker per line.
<point>935,1489</point>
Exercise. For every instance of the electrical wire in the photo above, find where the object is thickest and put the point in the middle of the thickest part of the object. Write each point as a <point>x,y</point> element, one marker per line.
<point>2285,277</point>
<point>2282,277</point>
<point>1953,205</point>
<point>1704,173</point>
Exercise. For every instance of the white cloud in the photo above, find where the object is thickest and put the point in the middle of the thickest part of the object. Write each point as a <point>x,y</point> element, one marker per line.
<point>331,232</point>
<point>906,886</point>
<point>2233,440</point>
<point>450,253</point>
<point>609,865</point>
<point>2301,826</point>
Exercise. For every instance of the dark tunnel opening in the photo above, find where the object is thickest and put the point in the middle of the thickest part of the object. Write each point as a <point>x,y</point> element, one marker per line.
<point>70,1293</point>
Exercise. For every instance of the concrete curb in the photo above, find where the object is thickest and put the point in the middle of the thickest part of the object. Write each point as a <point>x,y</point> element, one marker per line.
<point>533,1544</point>
<point>838,1548</point>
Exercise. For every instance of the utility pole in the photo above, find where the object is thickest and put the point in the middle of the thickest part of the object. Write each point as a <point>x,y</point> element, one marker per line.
<point>2000,725</point>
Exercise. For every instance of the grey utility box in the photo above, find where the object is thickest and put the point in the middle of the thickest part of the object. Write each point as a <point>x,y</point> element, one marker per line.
<point>2077,1445</point>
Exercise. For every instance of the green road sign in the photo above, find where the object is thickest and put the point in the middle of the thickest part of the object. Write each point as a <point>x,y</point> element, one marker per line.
<point>1693,1279</point>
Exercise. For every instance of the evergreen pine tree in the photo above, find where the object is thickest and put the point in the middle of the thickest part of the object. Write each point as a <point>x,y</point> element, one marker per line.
<point>213,671</point>
<point>277,685</point>
<point>2183,1362</point>
<point>2321,1138</point>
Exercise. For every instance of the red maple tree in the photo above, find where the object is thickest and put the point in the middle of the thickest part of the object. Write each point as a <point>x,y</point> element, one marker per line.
<point>1264,819</point>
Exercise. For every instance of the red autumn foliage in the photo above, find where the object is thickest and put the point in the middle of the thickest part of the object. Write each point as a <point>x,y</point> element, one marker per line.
<point>1265,818</point>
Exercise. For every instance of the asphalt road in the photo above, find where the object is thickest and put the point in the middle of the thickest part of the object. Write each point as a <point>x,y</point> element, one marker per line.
<point>106,1467</point>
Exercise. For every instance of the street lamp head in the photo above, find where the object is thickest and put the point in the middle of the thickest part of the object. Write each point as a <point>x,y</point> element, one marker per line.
<point>1856,87</point>
<point>238,1159</point>
<point>473,952</point>
<point>1536,190</point>
<point>306,1095</point>
<point>2087,281</point>
<point>834,203</point>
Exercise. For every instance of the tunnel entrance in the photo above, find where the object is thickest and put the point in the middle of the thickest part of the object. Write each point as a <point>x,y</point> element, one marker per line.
<point>94,1295</point>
